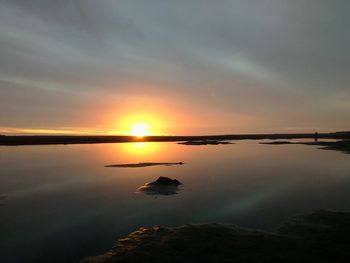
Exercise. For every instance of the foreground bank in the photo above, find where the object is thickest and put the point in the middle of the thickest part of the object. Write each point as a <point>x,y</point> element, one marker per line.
<point>322,236</point>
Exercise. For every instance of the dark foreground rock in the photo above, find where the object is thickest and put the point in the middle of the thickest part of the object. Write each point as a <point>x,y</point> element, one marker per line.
<point>323,236</point>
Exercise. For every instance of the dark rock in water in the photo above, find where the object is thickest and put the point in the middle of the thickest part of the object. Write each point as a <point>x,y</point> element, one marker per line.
<point>165,181</point>
<point>204,142</point>
<point>319,237</point>
<point>138,165</point>
<point>162,186</point>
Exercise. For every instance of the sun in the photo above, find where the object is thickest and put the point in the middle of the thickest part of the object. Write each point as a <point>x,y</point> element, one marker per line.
<point>139,125</point>
<point>140,130</point>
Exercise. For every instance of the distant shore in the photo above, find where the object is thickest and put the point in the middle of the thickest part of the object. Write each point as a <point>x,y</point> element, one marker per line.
<point>67,139</point>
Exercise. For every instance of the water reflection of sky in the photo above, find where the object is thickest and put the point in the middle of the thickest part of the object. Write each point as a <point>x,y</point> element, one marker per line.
<point>62,198</point>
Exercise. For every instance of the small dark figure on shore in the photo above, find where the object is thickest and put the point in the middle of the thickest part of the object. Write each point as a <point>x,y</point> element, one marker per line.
<point>316,136</point>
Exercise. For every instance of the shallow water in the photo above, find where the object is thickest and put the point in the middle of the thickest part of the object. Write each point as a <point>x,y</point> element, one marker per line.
<point>62,204</point>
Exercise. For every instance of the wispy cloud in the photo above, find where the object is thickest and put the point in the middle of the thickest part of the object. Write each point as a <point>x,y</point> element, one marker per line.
<point>56,131</point>
<point>277,61</point>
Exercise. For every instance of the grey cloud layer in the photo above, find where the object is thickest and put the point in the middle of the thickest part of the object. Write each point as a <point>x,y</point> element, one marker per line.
<point>255,57</point>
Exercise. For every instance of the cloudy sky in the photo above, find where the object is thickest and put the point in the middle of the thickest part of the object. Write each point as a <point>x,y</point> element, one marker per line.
<point>191,66</point>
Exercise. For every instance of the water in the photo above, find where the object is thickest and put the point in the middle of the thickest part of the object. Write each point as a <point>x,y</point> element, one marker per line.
<point>62,204</point>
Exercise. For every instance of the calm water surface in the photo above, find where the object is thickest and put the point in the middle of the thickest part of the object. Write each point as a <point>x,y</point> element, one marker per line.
<point>62,204</point>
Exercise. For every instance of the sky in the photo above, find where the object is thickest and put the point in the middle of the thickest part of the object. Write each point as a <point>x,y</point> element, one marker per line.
<point>182,67</point>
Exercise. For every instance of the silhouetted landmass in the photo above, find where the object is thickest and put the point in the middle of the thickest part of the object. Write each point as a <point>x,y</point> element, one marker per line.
<point>319,237</point>
<point>340,145</point>
<point>162,186</point>
<point>42,140</point>
<point>205,142</point>
<point>343,133</point>
<point>137,165</point>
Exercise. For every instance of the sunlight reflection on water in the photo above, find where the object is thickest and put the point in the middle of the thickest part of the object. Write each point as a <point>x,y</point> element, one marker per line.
<point>63,198</point>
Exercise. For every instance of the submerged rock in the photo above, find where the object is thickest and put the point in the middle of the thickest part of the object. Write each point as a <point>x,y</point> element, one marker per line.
<point>319,237</point>
<point>162,186</point>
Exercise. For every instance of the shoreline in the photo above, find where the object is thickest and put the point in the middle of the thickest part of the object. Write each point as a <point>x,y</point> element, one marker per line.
<point>17,140</point>
<point>321,236</point>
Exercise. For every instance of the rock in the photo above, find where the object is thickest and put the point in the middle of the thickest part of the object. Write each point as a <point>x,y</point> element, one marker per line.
<point>318,237</point>
<point>162,186</point>
<point>165,181</point>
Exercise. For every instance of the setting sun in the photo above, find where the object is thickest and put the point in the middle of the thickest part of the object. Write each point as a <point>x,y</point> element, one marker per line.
<point>139,124</point>
<point>140,130</point>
